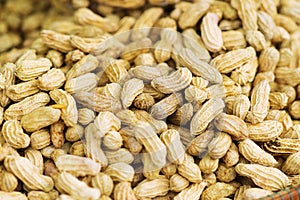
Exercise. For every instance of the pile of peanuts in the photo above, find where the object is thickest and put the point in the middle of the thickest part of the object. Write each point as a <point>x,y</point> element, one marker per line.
<point>149,99</point>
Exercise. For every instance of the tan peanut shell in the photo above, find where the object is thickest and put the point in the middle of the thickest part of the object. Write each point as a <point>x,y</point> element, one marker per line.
<point>104,183</point>
<point>93,148</point>
<point>189,170</point>
<point>36,158</point>
<point>291,164</point>
<point>85,82</point>
<point>85,116</point>
<point>241,106</point>
<point>51,80</point>
<point>283,146</point>
<point>29,174</point>
<point>256,39</point>
<point>175,149</point>
<point>208,165</point>
<point>174,82</point>
<point>232,156</point>
<point>183,115</point>
<point>158,125</point>
<point>40,139</point>
<point>105,122</point>
<point>27,105</point>
<point>217,191</point>
<point>57,134</point>
<point>120,172</point>
<point>56,40</point>
<point>166,106</point>
<point>84,166</point>
<point>86,16</point>
<point>144,101</point>
<point>74,187</point>
<point>225,174</point>
<point>147,136</point>
<point>112,140</point>
<point>98,102</point>
<point>13,195</point>
<point>124,191</point>
<point>247,13</point>
<point>14,135</point>
<point>22,90</point>
<point>232,125</point>
<point>84,65</point>
<point>188,58</point>
<point>9,182</point>
<point>192,192</point>
<point>178,183</point>
<point>152,188</point>
<point>190,17</point>
<point>205,115</point>
<point>147,19</point>
<point>252,152</point>
<point>148,73</point>
<point>120,155</point>
<point>265,131</point>
<point>40,118</point>
<point>255,193</point>
<point>259,102</point>
<point>268,178</point>
<point>31,69</point>
<point>130,90</point>
<point>194,42</point>
<point>198,145</point>
<point>227,62</point>
<point>211,33</point>
<point>219,145</point>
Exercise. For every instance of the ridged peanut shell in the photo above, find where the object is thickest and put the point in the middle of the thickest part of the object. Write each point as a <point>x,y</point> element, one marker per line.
<point>105,122</point>
<point>211,33</point>
<point>104,183</point>
<point>178,183</point>
<point>218,191</point>
<point>28,173</point>
<point>208,165</point>
<point>22,90</point>
<point>231,60</point>
<point>77,165</point>
<point>232,125</point>
<point>166,106</point>
<point>13,195</point>
<point>219,145</point>
<point>14,135</point>
<point>120,172</point>
<point>191,193</point>
<point>291,165</point>
<point>123,191</point>
<point>265,131</point>
<point>69,184</point>
<point>146,135</point>
<point>189,170</point>
<point>27,105</point>
<point>130,90</point>
<point>205,115</point>
<point>173,82</point>
<point>268,178</point>
<point>31,69</point>
<point>69,113</point>
<point>252,152</point>
<point>175,149</point>
<point>8,182</point>
<point>40,118</point>
<point>152,188</point>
